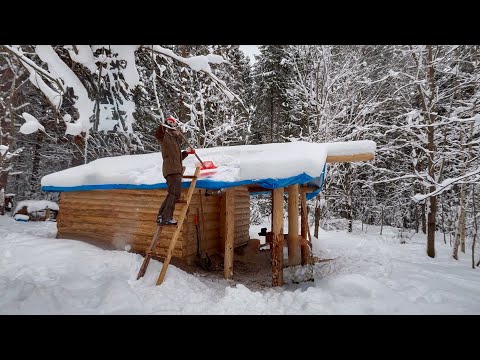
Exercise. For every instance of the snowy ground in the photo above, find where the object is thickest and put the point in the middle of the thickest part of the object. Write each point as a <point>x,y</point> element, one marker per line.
<point>370,274</point>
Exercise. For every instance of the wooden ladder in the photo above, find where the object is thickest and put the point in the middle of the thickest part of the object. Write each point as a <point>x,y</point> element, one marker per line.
<point>178,227</point>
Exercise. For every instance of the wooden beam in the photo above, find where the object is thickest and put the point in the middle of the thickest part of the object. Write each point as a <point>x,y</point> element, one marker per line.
<point>350,158</point>
<point>229,232</point>
<point>305,250</point>
<point>258,188</point>
<point>277,243</point>
<point>293,241</point>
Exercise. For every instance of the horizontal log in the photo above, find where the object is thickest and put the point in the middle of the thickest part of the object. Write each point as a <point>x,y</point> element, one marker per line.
<point>159,252</point>
<point>120,203</point>
<point>106,228</point>
<point>116,192</point>
<point>146,191</point>
<point>93,239</point>
<point>242,217</point>
<point>140,196</point>
<point>109,203</point>
<point>243,197</point>
<point>237,234</point>
<point>161,243</point>
<point>242,221</point>
<point>148,213</point>
<point>238,230</point>
<point>81,218</point>
<point>241,213</point>
<point>192,250</point>
<point>109,196</point>
<point>350,158</point>
<point>207,234</point>
<point>107,232</point>
<point>204,243</point>
<point>118,241</point>
<point>242,230</point>
<point>134,200</point>
<point>242,206</point>
<point>108,206</point>
<point>131,224</point>
<point>242,200</point>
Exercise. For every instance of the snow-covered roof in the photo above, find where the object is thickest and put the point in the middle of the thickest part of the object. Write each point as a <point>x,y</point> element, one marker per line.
<point>269,165</point>
<point>36,205</point>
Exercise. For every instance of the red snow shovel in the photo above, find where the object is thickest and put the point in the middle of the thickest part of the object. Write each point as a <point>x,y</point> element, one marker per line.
<point>206,165</point>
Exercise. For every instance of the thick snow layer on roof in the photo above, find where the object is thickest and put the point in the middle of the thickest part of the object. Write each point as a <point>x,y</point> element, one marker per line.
<point>36,205</point>
<point>270,165</point>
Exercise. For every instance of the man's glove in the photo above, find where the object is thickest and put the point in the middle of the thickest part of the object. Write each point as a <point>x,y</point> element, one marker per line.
<point>190,151</point>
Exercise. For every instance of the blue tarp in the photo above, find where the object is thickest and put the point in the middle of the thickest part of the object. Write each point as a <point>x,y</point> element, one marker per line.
<point>207,184</point>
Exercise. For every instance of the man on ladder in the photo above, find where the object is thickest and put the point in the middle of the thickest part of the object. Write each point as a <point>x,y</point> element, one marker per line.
<point>170,140</point>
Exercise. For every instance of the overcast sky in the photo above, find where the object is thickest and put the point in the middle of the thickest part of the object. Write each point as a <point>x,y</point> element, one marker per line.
<point>250,50</point>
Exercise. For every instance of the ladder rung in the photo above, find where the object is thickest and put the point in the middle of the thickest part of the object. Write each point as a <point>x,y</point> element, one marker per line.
<point>189,176</point>
<point>181,201</point>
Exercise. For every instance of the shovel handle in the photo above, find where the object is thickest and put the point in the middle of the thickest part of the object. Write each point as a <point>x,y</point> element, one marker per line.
<point>191,147</point>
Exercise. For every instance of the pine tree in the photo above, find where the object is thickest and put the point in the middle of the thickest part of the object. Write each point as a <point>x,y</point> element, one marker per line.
<point>271,106</point>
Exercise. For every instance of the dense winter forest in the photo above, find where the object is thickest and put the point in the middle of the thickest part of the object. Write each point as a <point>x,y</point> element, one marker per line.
<point>64,105</point>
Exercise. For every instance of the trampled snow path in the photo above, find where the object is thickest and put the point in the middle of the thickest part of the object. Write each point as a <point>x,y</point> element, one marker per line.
<point>371,274</point>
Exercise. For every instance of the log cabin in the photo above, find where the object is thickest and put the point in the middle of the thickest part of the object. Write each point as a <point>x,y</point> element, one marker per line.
<point>113,202</point>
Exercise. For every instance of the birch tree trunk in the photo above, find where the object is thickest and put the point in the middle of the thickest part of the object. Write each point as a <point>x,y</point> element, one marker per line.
<point>476,228</point>
<point>461,220</point>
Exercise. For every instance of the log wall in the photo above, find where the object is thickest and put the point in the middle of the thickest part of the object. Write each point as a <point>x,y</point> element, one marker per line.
<point>113,219</point>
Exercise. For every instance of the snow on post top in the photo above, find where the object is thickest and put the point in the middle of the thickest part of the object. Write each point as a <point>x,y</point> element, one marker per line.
<point>273,165</point>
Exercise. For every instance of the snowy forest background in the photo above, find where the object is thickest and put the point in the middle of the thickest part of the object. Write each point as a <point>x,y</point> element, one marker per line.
<point>419,103</point>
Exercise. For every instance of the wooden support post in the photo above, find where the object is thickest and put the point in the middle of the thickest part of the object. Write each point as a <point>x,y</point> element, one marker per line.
<point>305,250</point>
<point>229,232</point>
<point>277,243</point>
<point>293,241</point>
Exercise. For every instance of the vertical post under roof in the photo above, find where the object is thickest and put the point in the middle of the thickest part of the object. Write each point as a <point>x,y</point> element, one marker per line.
<point>277,241</point>
<point>304,231</point>
<point>293,240</point>
<point>229,232</point>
